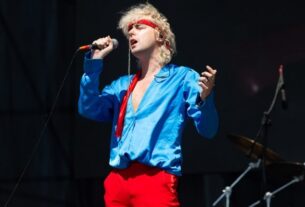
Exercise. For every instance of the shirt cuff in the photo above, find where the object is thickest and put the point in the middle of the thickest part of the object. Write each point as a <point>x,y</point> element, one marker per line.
<point>208,101</point>
<point>92,65</point>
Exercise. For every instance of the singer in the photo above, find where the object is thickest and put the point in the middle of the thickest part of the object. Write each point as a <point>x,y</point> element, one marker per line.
<point>148,111</point>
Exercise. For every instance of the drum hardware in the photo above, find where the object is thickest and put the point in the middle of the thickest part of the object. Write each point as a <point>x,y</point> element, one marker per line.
<point>284,168</point>
<point>253,148</point>
<point>228,189</point>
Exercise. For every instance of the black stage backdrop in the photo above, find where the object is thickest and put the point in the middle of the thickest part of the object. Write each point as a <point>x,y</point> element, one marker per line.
<point>245,40</point>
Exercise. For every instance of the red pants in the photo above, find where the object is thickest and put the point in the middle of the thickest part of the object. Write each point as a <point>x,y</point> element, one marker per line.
<point>141,186</point>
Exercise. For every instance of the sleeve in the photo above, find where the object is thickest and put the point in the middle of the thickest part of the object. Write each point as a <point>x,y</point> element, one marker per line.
<point>204,114</point>
<point>93,103</point>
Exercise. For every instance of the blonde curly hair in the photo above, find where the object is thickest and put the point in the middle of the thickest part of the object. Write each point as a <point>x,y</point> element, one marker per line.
<point>149,12</point>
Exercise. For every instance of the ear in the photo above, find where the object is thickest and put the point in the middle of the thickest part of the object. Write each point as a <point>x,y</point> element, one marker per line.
<point>160,37</point>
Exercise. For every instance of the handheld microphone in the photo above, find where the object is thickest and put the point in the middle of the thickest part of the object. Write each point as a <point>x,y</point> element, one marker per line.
<point>283,91</point>
<point>115,43</point>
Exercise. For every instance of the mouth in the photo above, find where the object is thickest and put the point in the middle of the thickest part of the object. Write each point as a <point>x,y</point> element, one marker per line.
<point>132,42</point>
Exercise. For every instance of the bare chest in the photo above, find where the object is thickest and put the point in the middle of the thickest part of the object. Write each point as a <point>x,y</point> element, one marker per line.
<point>138,92</point>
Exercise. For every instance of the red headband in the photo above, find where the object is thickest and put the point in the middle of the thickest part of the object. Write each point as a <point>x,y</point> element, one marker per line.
<point>142,21</point>
<point>148,23</point>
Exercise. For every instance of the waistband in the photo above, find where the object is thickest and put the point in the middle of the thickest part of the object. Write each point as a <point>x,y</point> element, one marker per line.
<point>136,169</point>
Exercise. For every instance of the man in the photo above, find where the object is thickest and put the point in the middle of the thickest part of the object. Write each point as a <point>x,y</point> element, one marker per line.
<point>148,111</point>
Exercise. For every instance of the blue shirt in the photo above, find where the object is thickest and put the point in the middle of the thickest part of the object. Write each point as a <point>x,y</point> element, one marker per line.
<point>151,134</point>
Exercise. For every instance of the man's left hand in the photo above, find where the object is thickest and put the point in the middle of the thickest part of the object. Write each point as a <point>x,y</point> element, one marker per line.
<point>207,82</point>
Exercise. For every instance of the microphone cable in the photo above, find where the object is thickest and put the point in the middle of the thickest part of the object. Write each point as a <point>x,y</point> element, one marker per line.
<point>42,132</point>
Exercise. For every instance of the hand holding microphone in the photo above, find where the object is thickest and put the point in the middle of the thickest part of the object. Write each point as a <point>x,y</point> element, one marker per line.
<point>101,47</point>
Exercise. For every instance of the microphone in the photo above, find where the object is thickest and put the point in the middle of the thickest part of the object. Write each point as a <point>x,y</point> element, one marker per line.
<point>115,43</point>
<point>283,91</point>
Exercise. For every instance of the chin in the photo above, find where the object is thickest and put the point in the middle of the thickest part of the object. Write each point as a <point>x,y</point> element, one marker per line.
<point>136,52</point>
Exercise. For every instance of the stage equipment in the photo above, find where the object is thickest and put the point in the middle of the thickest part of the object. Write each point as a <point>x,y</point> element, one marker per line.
<point>228,189</point>
<point>284,170</point>
<point>254,150</point>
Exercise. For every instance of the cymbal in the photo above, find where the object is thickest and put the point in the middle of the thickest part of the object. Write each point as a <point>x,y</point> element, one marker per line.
<point>286,169</point>
<point>254,149</point>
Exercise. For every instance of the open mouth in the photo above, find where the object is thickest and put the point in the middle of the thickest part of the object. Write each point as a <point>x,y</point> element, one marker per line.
<point>133,42</point>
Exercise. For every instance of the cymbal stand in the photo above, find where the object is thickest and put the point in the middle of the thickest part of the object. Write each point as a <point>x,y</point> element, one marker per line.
<point>268,195</point>
<point>265,124</point>
<point>228,189</point>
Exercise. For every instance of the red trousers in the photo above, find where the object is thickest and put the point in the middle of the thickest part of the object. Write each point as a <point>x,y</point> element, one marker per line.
<point>141,186</point>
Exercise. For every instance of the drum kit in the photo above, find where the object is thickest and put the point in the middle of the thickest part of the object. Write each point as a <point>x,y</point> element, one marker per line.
<point>266,159</point>
<point>273,163</point>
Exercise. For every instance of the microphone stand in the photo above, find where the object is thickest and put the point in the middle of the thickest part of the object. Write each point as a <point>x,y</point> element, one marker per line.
<point>228,190</point>
<point>263,131</point>
<point>268,195</point>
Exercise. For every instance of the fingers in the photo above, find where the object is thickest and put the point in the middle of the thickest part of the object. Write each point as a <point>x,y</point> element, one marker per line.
<point>203,79</point>
<point>207,81</point>
<point>203,86</point>
<point>211,69</point>
<point>105,46</point>
<point>103,42</point>
<point>209,74</point>
<point>208,77</point>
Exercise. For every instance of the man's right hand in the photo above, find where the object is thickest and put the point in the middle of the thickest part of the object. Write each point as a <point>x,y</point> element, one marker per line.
<point>106,45</point>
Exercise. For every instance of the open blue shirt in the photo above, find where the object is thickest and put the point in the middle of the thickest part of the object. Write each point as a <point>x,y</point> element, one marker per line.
<point>152,134</point>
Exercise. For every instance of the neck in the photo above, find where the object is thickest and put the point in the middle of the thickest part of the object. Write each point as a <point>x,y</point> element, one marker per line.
<point>150,66</point>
